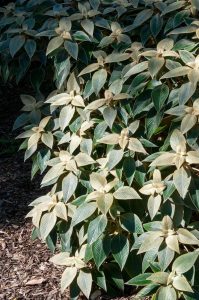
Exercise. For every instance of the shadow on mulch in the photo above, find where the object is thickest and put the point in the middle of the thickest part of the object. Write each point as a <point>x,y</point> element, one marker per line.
<point>25,269</point>
<point>26,273</point>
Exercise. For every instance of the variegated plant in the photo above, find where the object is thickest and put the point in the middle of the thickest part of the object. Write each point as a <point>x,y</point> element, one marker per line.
<point>117,138</point>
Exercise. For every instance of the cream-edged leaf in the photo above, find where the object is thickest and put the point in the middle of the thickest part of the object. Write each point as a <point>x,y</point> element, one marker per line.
<point>53,173</point>
<point>136,146</point>
<point>89,69</point>
<point>126,193</point>
<point>164,159</point>
<point>60,210</point>
<point>137,69</point>
<point>154,205</point>
<point>98,80</point>
<point>47,139</point>
<point>84,281</point>
<point>105,202</point>
<point>192,157</point>
<point>172,243</point>
<point>152,241</point>
<point>55,43</point>
<point>180,283</point>
<point>186,237</point>
<point>69,185</point>
<point>88,26</point>
<point>47,223</point>
<point>177,141</point>
<point>65,116</point>
<point>166,293</point>
<point>62,259</point>
<point>83,159</point>
<point>154,65</point>
<point>98,181</point>
<point>177,72</point>
<point>188,122</point>
<point>181,181</point>
<point>67,277</point>
<point>110,139</point>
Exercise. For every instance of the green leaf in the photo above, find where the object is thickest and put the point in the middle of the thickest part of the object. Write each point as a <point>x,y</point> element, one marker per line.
<point>147,290</point>
<point>98,80</point>
<point>67,277</point>
<point>101,249</point>
<point>185,262</point>
<point>16,43</point>
<point>131,223</point>
<point>69,185</point>
<point>72,48</point>
<point>88,26</point>
<point>81,36</point>
<point>154,66</point>
<point>165,257</point>
<point>159,96</point>
<point>52,174</point>
<point>30,47</point>
<point>137,69</point>
<point>96,228</point>
<point>63,71</point>
<point>156,24</point>
<point>129,169</point>
<point>120,249</point>
<point>140,280</point>
<point>83,212</point>
<point>114,157</point>
<point>109,115</point>
<point>84,281</point>
<point>99,278</point>
<point>140,18</point>
<point>115,277</point>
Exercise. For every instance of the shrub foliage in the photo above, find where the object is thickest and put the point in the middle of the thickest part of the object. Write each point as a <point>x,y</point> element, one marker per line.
<point>117,139</point>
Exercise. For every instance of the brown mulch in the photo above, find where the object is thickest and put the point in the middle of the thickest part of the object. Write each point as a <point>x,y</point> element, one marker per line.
<point>25,270</point>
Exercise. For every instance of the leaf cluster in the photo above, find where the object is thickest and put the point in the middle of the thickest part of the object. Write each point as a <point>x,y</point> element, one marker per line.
<point>116,140</point>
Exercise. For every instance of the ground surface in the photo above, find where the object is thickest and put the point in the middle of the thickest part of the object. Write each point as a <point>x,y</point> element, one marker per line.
<point>25,271</point>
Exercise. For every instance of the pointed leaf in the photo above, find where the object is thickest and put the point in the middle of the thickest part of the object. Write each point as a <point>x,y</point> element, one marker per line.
<point>67,277</point>
<point>181,181</point>
<point>69,185</point>
<point>47,223</point>
<point>98,80</point>
<point>120,249</point>
<point>96,228</point>
<point>84,281</point>
<point>16,43</point>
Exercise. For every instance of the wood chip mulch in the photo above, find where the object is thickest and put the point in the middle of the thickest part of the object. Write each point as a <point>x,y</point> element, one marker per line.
<point>25,270</point>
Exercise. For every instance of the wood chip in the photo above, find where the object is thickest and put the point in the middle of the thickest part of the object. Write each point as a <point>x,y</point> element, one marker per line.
<point>35,281</point>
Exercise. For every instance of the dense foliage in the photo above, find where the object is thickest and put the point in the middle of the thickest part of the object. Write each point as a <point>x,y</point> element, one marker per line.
<point>117,138</point>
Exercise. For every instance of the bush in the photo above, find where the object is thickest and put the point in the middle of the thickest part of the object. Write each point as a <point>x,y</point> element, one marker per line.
<point>117,139</point>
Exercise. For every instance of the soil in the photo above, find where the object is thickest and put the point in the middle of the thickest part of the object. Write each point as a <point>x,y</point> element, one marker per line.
<point>26,272</point>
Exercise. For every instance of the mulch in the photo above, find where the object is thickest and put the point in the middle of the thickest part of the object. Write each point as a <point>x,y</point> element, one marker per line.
<point>25,270</point>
